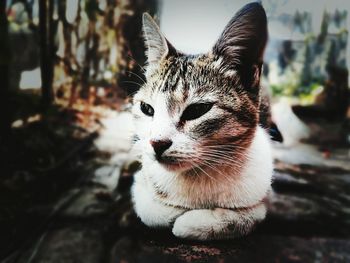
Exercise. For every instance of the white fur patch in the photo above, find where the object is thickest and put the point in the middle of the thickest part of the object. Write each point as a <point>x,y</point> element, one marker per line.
<point>246,191</point>
<point>218,63</point>
<point>230,73</point>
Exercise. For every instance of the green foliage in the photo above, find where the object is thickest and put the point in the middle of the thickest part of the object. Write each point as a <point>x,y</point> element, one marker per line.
<point>283,89</point>
<point>306,93</point>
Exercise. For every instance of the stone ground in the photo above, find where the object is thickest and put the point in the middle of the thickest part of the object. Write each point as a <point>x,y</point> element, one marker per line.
<point>93,221</point>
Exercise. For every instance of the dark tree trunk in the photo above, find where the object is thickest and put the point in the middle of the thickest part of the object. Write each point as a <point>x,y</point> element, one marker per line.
<point>47,50</point>
<point>91,46</point>
<point>5,112</point>
<point>131,50</point>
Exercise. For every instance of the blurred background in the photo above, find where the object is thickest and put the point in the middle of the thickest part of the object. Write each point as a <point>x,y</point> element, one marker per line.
<point>68,70</point>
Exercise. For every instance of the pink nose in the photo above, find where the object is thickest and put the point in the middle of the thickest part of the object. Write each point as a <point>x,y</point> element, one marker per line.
<point>160,146</point>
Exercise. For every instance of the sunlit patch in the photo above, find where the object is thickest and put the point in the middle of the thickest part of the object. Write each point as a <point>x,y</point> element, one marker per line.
<point>21,122</point>
<point>17,124</point>
<point>30,79</point>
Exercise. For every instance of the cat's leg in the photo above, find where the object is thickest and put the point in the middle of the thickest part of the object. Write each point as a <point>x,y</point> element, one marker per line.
<point>219,223</point>
<point>152,212</point>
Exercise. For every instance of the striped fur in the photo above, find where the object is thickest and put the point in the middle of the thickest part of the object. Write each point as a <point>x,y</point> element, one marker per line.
<point>219,163</point>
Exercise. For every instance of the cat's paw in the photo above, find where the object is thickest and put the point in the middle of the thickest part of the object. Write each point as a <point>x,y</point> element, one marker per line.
<point>219,223</point>
<point>151,212</point>
<point>200,224</point>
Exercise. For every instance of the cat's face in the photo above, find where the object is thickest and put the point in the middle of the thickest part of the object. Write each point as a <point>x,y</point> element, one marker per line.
<point>200,111</point>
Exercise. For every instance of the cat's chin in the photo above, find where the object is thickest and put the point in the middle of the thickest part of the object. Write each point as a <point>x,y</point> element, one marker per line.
<point>176,166</point>
<point>168,164</point>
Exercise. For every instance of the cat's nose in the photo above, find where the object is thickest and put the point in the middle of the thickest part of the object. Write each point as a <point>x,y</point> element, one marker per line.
<point>160,146</point>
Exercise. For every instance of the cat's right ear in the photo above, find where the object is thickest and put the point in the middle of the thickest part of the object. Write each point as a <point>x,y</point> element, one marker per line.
<point>156,45</point>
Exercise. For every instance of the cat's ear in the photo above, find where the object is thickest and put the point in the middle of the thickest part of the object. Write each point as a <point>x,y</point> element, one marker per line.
<point>157,47</point>
<point>242,43</point>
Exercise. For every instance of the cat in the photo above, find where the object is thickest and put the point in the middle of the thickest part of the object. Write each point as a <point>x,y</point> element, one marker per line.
<point>206,160</point>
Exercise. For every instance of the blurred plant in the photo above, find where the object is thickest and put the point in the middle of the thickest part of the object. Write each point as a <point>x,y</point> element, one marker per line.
<point>101,47</point>
<point>305,65</point>
<point>90,51</point>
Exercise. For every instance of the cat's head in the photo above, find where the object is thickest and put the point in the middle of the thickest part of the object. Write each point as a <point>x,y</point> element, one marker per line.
<point>201,110</point>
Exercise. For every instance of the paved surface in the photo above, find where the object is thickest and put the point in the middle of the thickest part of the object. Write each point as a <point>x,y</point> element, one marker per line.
<point>308,220</point>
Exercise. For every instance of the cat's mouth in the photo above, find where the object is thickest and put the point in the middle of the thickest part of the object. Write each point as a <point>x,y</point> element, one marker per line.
<point>173,163</point>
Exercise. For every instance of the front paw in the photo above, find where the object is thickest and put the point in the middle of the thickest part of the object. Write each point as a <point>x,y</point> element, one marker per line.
<point>149,210</point>
<point>219,223</point>
<point>197,224</point>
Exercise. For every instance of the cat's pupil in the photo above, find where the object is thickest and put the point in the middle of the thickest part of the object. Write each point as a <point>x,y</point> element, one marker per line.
<point>147,109</point>
<point>195,111</point>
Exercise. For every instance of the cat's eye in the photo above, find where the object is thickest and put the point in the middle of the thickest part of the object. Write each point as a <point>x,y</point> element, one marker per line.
<point>196,110</point>
<point>146,109</point>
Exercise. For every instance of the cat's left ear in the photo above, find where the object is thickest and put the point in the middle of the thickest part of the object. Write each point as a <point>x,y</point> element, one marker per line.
<point>242,43</point>
<point>157,46</point>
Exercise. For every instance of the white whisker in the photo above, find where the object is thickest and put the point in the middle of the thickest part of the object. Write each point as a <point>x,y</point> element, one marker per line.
<point>143,81</point>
